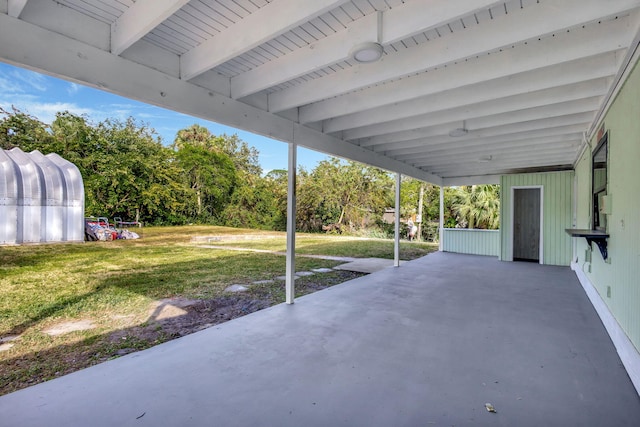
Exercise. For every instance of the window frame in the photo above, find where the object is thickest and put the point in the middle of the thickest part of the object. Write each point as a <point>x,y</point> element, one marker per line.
<point>598,220</point>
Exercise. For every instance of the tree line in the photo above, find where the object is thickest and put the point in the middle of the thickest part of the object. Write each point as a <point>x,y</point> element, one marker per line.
<point>217,179</point>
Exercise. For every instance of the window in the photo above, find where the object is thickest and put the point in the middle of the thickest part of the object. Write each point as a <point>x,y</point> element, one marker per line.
<point>599,183</point>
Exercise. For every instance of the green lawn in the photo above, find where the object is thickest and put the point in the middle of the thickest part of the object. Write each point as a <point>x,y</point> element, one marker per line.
<point>114,284</point>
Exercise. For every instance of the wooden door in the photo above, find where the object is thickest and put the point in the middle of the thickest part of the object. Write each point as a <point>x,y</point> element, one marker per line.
<point>526,224</point>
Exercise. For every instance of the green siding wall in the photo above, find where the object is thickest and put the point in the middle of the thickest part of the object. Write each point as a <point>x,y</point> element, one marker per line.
<point>557,214</point>
<point>621,275</point>
<point>474,242</point>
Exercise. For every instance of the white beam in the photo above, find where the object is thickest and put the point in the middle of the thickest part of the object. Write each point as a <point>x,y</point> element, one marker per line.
<point>15,7</point>
<point>478,117</point>
<point>432,158</point>
<point>402,21</point>
<point>52,53</point>
<point>563,48</point>
<point>141,17</point>
<point>518,26</point>
<point>396,239</point>
<point>522,153</point>
<point>330,50</point>
<point>291,225</point>
<point>505,171</point>
<point>266,23</point>
<point>516,128</point>
<point>507,168</point>
<point>423,148</point>
<point>579,79</point>
<point>556,157</point>
<point>424,158</point>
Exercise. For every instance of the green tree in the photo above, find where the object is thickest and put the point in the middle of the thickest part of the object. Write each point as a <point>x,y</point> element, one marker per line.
<point>342,194</point>
<point>477,206</point>
<point>19,129</point>
<point>126,169</point>
<point>244,157</point>
<point>211,177</point>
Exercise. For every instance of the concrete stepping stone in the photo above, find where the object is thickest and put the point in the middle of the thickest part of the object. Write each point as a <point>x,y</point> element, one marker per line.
<point>304,273</point>
<point>6,342</point>
<point>236,288</point>
<point>67,327</point>
<point>6,346</point>
<point>322,270</point>
<point>285,277</point>
<point>262,282</point>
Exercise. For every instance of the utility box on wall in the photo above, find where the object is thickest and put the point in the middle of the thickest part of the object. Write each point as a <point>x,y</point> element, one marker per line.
<point>41,198</point>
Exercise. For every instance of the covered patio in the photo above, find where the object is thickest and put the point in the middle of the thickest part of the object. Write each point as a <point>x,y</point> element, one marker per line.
<point>517,92</point>
<point>429,343</point>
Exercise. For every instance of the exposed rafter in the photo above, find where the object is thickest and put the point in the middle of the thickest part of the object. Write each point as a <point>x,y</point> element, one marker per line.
<point>578,45</point>
<point>412,149</point>
<point>15,7</point>
<point>268,22</point>
<point>580,79</point>
<point>478,118</point>
<point>142,17</point>
<point>543,20</point>
<point>397,24</point>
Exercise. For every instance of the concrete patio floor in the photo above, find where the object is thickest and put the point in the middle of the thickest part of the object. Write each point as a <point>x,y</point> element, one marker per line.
<point>425,344</point>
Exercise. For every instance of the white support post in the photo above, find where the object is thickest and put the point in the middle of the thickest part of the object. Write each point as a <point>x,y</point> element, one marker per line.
<point>441,227</point>
<point>291,225</point>
<point>396,243</point>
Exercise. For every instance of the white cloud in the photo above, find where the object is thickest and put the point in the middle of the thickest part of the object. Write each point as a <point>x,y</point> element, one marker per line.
<point>33,80</point>
<point>9,87</point>
<point>73,88</point>
<point>44,111</point>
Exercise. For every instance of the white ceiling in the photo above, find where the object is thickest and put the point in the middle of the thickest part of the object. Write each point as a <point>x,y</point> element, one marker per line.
<point>526,78</point>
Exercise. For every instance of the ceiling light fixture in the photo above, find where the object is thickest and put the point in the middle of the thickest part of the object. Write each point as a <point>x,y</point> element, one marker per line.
<point>367,52</point>
<point>457,132</point>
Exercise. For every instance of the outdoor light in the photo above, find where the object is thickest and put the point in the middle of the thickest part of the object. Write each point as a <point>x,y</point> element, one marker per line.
<point>485,159</point>
<point>367,52</point>
<point>459,131</point>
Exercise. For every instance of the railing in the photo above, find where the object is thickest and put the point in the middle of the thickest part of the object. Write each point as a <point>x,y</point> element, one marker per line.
<point>471,241</point>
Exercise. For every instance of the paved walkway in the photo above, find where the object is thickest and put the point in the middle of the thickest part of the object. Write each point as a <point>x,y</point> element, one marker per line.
<point>360,265</point>
<point>429,343</point>
<point>267,251</point>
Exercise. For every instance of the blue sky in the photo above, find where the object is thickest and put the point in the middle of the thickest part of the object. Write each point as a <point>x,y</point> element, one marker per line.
<point>43,96</point>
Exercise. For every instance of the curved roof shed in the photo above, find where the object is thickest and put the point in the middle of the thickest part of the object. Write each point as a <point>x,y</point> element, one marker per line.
<point>41,198</point>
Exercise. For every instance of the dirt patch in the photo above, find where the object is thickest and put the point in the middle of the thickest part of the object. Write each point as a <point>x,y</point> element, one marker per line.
<point>167,319</point>
<point>191,318</point>
<point>176,317</point>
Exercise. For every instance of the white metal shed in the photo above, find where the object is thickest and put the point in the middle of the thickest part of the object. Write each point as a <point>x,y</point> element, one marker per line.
<point>41,198</point>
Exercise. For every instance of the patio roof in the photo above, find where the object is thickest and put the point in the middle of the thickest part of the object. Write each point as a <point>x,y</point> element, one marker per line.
<point>426,344</point>
<point>520,81</point>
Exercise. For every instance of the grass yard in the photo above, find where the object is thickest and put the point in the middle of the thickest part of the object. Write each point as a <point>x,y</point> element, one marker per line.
<point>134,294</point>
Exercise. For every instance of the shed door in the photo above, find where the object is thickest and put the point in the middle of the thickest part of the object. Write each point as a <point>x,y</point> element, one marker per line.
<point>526,224</point>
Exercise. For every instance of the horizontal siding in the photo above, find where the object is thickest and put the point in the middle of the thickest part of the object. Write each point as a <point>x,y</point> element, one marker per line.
<point>473,242</point>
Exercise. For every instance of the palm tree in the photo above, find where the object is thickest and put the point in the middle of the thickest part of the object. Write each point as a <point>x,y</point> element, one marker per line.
<point>478,206</point>
<point>195,135</point>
